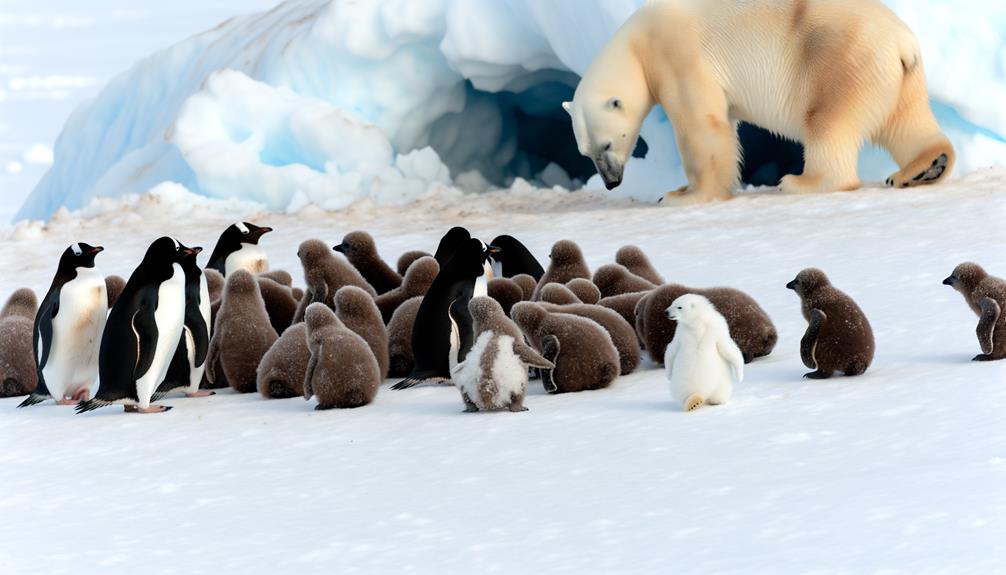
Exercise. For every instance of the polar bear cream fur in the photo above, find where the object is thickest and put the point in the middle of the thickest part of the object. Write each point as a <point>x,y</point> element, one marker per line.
<point>831,74</point>
<point>701,355</point>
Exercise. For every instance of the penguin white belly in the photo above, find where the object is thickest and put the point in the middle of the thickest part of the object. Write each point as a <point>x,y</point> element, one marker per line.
<point>452,358</point>
<point>72,364</point>
<point>250,257</point>
<point>170,318</point>
<point>508,372</point>
<point>492,374</point>
<point>195,372</point>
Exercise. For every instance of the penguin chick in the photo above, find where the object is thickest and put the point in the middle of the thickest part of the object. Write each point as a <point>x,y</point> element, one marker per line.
<point>282,277</point>
<point>750,327</point>
<point>838,337</point>
<point>557,294</point>
<point>701,357</point>
<point>281,373</point>
<point>214,283</point>
<point>113,287</point>
<point>406,260</point>
<point>625,306</point>
<point>358,312</point>
<point>986,296</point>
<point>417,282</point>
<point>622,334</point>
<point>506,292</point>
<point>17,362</point>
<point>342,371</point>
<point>614,279</point>
<point>279,303</point>
<point>634,260</point>
<point>584,290</point>
<point>361,251</point>
<point>494,374</point>
<point>242,334</point>
<point>400,358</point>
<point>565,263</point>
<point>582,351</point>
<point>527,285</point>
<point>324,274</point>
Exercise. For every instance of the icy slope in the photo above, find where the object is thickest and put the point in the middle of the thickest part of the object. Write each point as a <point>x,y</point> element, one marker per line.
<point>479,81</point>
<point>899,471</point>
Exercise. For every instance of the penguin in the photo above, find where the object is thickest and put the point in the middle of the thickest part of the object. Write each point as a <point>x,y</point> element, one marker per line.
<point>750,327</point>
<point>505,291</point>
<point>494,374</point>
<point>584,290</point>
<point>565,263</point>
<point>838,336</point>
<point>406,260</point>
<point>514,259</point>
<point>242,334</point>
<point>615,279</point>
<point>527,284</point>
<point>142,331</point>
<point>324,274</point>
<point>634,260</point>
<point>238,248</point>
<point>451,241</point>
<point>280,374</point>
<point>280,304</point>
<point>113,287</point>
<point>985,295</point>
<point>361,251</point>
<point>584,356</point>
<point>185,372</point>
<point>17,363</point>
<point>625,306</point>
<point>460,279</point>
<point>342,372</point>
<point>282,277</point>
<point>400,358</point>
<point>358,312</point>
<point>214,282</point>
<point>417,282</point>
<point>67,329</point>
<point>623,334</point>
<point>557,294</point>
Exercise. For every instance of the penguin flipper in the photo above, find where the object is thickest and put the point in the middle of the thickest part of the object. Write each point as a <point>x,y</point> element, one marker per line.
<point>987,323</point>
<point>531,357</point>
<point>808,345</point>
<point>145,328</point>
<point>312,365</point>
<point>43,333</point>
<point>195,324</point>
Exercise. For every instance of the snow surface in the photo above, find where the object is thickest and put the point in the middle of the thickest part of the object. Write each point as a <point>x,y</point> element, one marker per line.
<point>260,98</point>
<point>899,471</point>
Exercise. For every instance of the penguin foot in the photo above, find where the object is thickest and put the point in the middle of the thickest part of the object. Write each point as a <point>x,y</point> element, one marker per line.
<point>150,409</point>
<point>817,375</point>
<point>67,402</point>
<point>201,393</point>
<point>693,402</point>
<point>83,394</point>
<point>983,357</point>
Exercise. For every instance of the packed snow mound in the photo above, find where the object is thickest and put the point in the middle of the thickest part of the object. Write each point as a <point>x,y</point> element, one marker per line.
<point>324,102</point>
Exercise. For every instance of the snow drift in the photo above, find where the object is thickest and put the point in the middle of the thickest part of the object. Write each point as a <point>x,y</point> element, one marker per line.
<point>329,102</point>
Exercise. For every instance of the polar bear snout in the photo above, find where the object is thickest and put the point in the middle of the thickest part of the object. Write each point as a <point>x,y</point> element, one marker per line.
<point>672,313</point>
<point>610,169</point>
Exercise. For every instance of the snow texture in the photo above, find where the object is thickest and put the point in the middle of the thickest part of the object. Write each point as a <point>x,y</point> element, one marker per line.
<point>330,102</point>
<point>898,471</point>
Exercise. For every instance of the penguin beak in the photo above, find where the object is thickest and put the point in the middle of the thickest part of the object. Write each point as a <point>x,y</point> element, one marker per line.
<point>341,248</point>
<point>186,252</point>
<point>949,281</point>
<point>493,250</point>
<point>791,285</point>
<point>96,250</point>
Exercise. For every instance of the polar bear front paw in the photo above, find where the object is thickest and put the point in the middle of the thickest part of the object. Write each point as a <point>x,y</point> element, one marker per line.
<point>693,402</point>
<point>684,196</point>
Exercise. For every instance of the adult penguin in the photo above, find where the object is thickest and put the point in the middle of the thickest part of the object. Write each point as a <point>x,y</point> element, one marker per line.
<point>515,259</point>
<point>238,248</point>
<point>432,331</point>
<point>451,241</point>
<point>142,331</point>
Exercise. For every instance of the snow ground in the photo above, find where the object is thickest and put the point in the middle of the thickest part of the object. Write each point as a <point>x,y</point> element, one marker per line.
<point>898,471</point>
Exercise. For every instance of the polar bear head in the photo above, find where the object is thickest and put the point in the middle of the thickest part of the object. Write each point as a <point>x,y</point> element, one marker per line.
<point>606,129</point>
<point>689,309</point>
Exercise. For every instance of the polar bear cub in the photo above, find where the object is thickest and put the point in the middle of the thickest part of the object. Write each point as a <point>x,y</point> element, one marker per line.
<point>701,356</point>
<point>831,74</point>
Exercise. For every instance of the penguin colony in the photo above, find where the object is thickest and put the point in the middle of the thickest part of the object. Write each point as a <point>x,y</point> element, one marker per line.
<point>483,317</point>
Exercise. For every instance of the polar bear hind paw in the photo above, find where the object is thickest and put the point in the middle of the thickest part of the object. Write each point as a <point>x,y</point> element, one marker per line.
<point>683,196</point>
<point>914,175</point>
<point>694,402</point>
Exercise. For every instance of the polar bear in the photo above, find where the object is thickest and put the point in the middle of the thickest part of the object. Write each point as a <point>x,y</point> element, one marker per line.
<point>701,355</point>
<point>831,74</point>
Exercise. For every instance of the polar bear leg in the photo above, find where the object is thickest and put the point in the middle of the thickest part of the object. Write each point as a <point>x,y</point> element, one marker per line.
<point>721,395</point>
<point>914,139</point>
<point>707,141</point>
<point>830,165</point>
<point>693,402</point>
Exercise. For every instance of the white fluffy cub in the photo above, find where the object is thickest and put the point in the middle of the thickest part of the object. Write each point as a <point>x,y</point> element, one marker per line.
<point>701,356</point>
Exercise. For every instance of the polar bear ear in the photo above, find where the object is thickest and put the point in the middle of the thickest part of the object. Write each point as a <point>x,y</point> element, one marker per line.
<point>614,104</point>
<point>568,106</point>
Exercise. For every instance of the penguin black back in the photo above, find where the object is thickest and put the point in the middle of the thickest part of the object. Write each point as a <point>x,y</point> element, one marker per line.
<point>516,259</point>
<point>230,241</point>
<point>452,240</point>
<point>431,333</point>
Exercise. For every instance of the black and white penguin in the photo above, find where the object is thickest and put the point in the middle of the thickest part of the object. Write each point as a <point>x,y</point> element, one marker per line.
<point>515,259</point>
<point>142,331</point>
<point>185,372</point>
<point>238,248</point>
<point>68,328</point>
<point>465,276</point>
<point>451,241</point>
